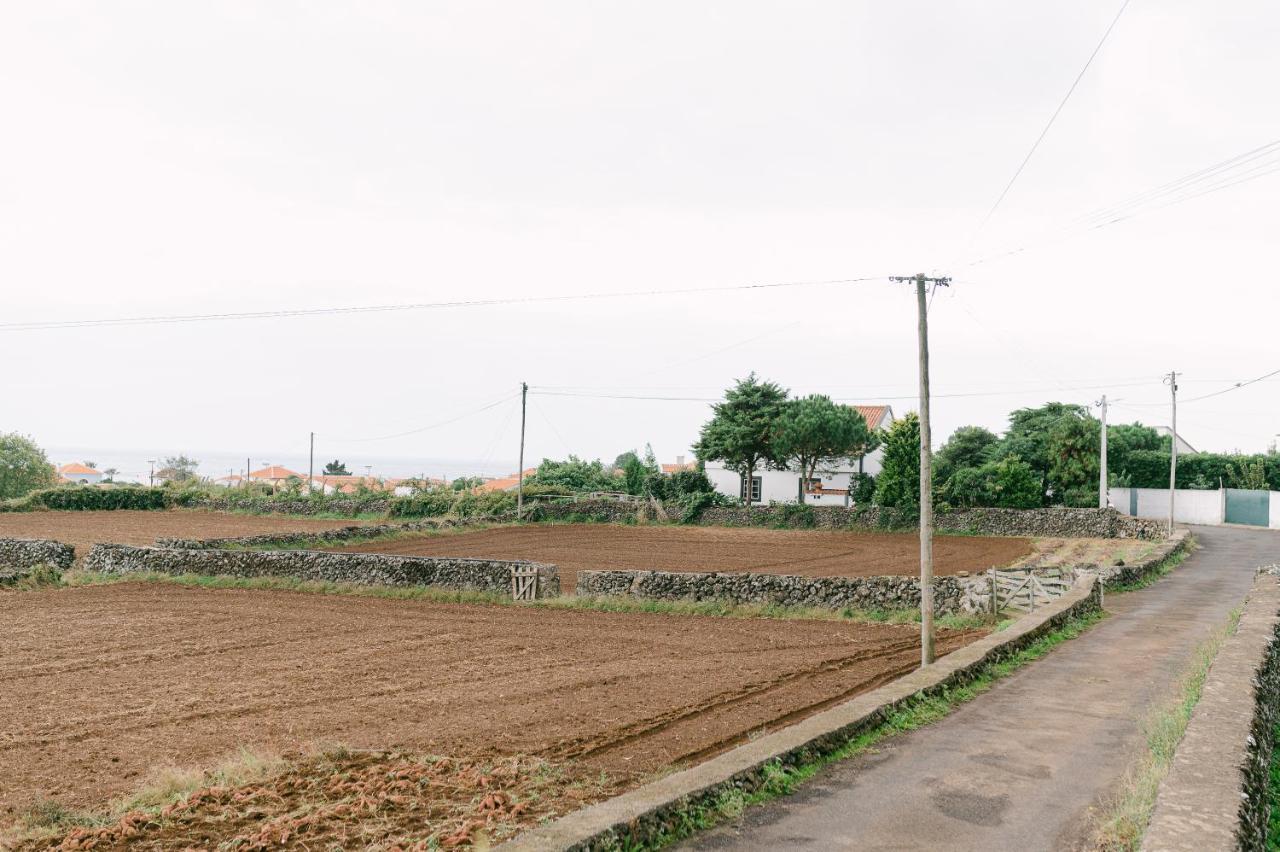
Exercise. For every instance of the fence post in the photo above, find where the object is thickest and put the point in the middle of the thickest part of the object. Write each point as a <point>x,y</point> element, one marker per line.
<point>1031,589</point>
<point>995,599</point>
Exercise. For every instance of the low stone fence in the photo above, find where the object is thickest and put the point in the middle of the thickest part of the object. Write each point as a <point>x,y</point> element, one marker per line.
<point>1056,522</point>
<point>951,594</point>
<point>19,555</point>
<point>304,537</point>
<point>599,511</point>
<point>1124,575</point>
<point>367,569</point>
<point>1217,793</point>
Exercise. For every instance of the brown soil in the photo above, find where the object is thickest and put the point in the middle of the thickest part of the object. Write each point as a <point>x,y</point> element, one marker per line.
<point>85,529</point>
<point>810,553</point>
<point>100,684</point>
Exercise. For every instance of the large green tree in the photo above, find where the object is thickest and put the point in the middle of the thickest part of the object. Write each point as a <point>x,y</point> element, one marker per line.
<point>741,429</point>
<point>23,467</point>
<point>1073,449</point>
<point>968,447</point>
<point>815,431</point>
<point>898,484</point>
<point>574,475</point>
<point>1029,435</point>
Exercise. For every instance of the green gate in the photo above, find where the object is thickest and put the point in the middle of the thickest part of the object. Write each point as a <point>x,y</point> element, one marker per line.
<point>1248,507</point>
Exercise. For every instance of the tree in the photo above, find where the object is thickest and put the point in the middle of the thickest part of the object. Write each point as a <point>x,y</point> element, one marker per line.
<point>574,475</point>
<point>465,483</point>
<point>1012,484</point>
<point>23,467</point>
<point>336,468</point>
<point>898,484</point>
<point>178,468</point>
<point>968,447</point>
<point>91,465</point>
<point>1073,449</point>
<point>1248,475</point>
<point>1028,438</point>
<point>1124,439</point>
<point>740,431</point>
<point>109,475</point>
<point>816,431</point>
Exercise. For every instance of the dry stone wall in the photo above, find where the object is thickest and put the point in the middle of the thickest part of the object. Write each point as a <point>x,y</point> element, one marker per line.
<point>951,594</point>
<point>1057,522</point>
<point>306,537</point>
<point>368,569</point>
<point>19,555</point>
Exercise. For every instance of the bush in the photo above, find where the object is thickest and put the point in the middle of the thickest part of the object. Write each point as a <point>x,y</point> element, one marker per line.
<point>426,504</point>
<point>80,498</point>
<point>473,504</point>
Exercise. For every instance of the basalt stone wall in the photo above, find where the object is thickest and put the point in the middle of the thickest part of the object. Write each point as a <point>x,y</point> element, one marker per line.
<point>19,554</point>
<point>368,569</point>
<point>1255,794</point>
<point>301,506</point>
<point>603,511</point>
<point>1057,521</point>
<point>950,593</point>
<point>306,537</point>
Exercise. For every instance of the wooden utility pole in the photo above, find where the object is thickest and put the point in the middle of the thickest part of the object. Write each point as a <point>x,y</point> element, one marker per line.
<point>524,400</point>
<point>1172,381</point>
<point>924,285</point>
<point>311,466</point>
<point>1102,461</point>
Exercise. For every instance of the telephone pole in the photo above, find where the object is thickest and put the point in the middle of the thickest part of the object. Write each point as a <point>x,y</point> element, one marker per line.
<point>311,466</point>
<point>924,284</point>
<point>1172,381</point>
<point>1102,461</point>
<point>524,400</point>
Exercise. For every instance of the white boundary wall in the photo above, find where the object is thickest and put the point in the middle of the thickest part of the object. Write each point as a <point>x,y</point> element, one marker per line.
<point>1275,510</point>
<point>1190,507</point>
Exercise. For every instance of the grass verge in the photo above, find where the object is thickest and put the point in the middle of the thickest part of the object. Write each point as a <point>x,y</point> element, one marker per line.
<point>1126,819</point>
<point>1173,560</point>
<point>569,602</point>
<point>782,780</point>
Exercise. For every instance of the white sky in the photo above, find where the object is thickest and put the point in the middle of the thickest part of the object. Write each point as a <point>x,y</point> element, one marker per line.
<point>170,157</point>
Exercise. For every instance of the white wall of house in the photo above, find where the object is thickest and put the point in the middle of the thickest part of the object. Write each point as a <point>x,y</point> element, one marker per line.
<point>782,486</point>
<point>1275,510</point>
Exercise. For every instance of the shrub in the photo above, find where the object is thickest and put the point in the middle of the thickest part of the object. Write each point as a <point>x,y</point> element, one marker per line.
<point>426,504</point>
<point>79,498</point>
<point>473,504</point>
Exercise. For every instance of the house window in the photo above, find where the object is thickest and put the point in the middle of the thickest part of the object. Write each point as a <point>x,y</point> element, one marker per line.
<point>755,489</point>
<point>813,485</point>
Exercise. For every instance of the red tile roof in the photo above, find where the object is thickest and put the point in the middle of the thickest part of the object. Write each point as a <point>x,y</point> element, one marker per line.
<point>77,468</point>
<point>676,468</point>
<point>506,483</point>
<point>874,414</point>
<point>274,472</point>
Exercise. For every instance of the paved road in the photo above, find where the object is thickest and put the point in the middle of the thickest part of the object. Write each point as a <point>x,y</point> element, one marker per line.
<point>1027,765</point>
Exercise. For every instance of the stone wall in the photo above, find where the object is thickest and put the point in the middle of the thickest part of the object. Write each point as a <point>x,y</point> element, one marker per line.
<point>19,554</point>
<point>1216,795</point>
<point>951,594</point>
<point>305,537</point>
<point>368,569</point>
<point>1057,522</point>
<point>596,511</point>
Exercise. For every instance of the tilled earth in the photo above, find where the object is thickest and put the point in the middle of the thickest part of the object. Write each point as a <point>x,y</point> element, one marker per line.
<point>100,684</point>
<point>809,553</point>
<point>85,529</point>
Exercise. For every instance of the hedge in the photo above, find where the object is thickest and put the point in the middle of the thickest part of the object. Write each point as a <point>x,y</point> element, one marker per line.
<point>1150,469</point>
<point>83,498</point>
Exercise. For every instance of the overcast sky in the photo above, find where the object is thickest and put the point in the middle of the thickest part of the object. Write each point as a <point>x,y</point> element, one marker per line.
<point>177,158</point>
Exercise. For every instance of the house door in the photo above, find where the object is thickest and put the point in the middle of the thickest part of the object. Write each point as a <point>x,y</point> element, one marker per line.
<point>1248,507</point>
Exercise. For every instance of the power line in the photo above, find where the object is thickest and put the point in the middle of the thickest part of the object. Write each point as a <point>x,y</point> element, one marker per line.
<point>1234,387</point>
<point>409,306</point>
<point>1035,145</point>
<point>428,427</point>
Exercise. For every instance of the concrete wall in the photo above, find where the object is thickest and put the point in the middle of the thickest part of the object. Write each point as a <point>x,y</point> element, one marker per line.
<point>19,554</point>
<point>1191,506</point>
<point>370,569</point>
<point>1275,510</point>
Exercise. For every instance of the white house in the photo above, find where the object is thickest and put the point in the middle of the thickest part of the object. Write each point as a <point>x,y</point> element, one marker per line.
<point>79,474</point>
<point>829,487</point>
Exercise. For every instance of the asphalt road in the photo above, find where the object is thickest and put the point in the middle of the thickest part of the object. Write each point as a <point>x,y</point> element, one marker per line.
<point>1030,764</point>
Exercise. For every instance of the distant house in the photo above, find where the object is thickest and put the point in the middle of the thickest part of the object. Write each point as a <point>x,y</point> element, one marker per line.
<point>829,487</point>
<point>679,466</point>
<point>505,483</point>
<point>1183,447</point>
<point>274,476</point>
<point>79,474</point>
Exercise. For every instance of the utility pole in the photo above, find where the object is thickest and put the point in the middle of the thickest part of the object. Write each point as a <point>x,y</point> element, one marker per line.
<point>1102,462</point>
<point>524,399</point>
<point>1172,381</point>
<point>151,481</point>
<point>311,466</point>
<point>247,467</point>
<point>924,283</point>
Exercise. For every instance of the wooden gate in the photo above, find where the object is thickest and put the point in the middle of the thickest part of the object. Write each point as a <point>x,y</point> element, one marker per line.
<point>1024,589</point>
<point>524,582</point>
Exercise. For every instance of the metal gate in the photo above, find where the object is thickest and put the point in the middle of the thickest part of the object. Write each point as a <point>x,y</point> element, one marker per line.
<point>1248,507</point>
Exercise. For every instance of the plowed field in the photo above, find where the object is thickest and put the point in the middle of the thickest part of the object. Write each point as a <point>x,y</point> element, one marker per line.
<point>85,529</point>
<point>100,684</point>
<point>810,553</point>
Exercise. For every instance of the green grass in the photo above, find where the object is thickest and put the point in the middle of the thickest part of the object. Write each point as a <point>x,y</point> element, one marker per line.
<point>1127,818</point>
<point>1173,560</point>
<point>779,780</point>
<point>568,602</point>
